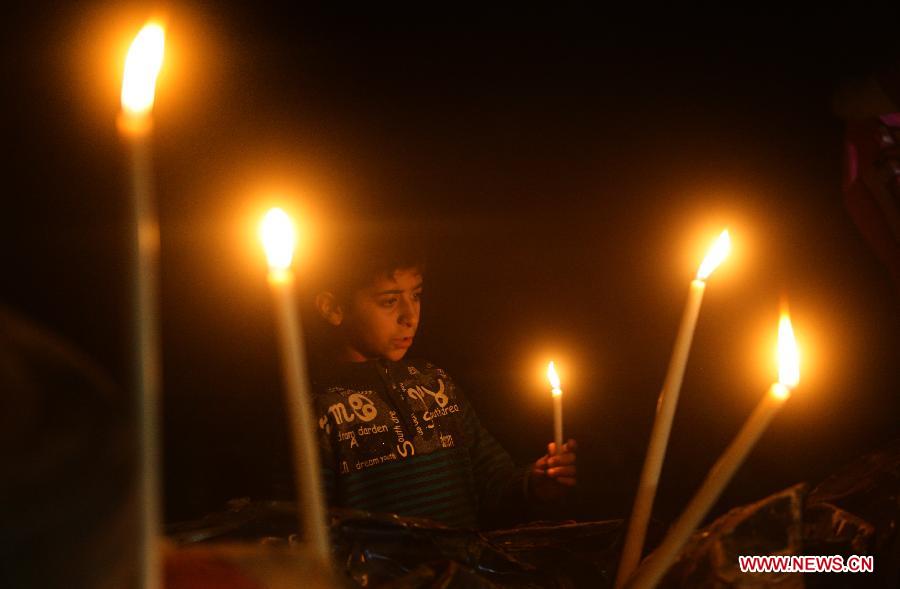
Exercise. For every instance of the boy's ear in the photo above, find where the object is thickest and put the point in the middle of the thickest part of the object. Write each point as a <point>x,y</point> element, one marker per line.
<point>328,307</point>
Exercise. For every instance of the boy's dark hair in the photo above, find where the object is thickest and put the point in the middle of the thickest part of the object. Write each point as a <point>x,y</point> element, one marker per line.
<point>355,261</point>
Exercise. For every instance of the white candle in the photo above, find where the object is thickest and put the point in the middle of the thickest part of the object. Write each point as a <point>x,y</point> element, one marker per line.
<point>142,66</point>
<point>665,412</point>
<point>279,239</point>
<point>652,571</point>
<point>556,393</point>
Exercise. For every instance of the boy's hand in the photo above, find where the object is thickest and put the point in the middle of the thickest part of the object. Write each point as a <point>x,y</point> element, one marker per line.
<point>554,472</point>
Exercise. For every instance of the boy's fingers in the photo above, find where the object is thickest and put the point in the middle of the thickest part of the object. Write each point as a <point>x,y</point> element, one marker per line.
<point>561,471</point>
<point>542,462</point>
<point>567,447</point>
<point>561,459</point>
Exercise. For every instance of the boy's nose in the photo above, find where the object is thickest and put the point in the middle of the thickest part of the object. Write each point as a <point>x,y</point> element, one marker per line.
<point>409,316</point>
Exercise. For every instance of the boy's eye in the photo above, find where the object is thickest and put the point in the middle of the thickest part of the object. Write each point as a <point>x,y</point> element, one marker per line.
<point>417,296</point>
<point>388,302</point>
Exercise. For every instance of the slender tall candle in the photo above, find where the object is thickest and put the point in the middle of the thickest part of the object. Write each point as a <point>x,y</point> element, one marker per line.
<point>665,412</point>
<point>652,571</point>
<point>135,123</point>
<point>556,393</point>
<point>279,241</point>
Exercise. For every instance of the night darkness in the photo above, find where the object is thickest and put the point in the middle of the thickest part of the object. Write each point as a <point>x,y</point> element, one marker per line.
<point>567,174</point>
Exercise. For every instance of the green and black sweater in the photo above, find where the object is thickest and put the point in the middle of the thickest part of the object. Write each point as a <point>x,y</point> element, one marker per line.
<point>399,437</point>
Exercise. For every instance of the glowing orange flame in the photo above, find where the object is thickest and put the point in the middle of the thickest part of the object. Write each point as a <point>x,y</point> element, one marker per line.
<point>279,239</point>
<point>142,65</point>
<point>788,354</point>
<point>716,255</point>
<point>554,379</point>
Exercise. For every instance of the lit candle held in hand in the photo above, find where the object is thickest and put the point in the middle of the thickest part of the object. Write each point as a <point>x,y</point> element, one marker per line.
<point>665,412</point>
<point>556,393</point>
<point>652,571</point>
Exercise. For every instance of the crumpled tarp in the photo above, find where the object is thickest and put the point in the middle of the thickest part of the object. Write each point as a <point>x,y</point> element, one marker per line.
<point>405,552</point>
<point>856,511</point>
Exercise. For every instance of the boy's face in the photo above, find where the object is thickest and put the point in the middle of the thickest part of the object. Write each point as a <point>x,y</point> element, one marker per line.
<point>381,319</point>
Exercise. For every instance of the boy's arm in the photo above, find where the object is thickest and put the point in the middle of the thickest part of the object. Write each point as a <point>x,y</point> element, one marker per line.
<point>507,493</point>
<point>502,487</point>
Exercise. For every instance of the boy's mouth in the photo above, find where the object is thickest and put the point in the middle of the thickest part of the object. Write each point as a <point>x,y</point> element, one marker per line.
<point>402,342</point>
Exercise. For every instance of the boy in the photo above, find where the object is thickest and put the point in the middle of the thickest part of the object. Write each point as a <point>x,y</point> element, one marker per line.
<point>397,436</point>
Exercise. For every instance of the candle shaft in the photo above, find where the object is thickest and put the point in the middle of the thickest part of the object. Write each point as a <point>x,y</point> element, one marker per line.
<point>557,422</point>
<point>306,454</point>
<point>146,352</point>
<point>650,574</point>
<point>659,437</point>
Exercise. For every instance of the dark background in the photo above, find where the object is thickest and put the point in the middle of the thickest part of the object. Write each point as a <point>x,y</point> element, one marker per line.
<point>569,173</point>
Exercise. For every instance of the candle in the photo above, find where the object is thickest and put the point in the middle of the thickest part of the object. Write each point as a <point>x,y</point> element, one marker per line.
<point>556,393</point>
<point>651,572</point>
<point>665,412</point>
<point>142,66</point>
<point>279,237</point>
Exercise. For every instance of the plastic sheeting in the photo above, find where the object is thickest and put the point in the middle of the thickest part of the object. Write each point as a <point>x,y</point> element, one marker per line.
<point>391,551</point>
<point>856,511</point>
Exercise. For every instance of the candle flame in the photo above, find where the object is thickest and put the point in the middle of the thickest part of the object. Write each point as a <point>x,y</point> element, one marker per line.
<point>142,65</point>
<point>279,239</point>
<point>788,354</point>
<point>716,255</point>
<point>553,378</point>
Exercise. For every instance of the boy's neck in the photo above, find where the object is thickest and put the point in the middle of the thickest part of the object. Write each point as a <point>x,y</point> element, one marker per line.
<point>352,355</point>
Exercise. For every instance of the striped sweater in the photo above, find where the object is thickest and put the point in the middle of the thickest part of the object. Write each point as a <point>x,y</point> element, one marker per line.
<point>399,437</point>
